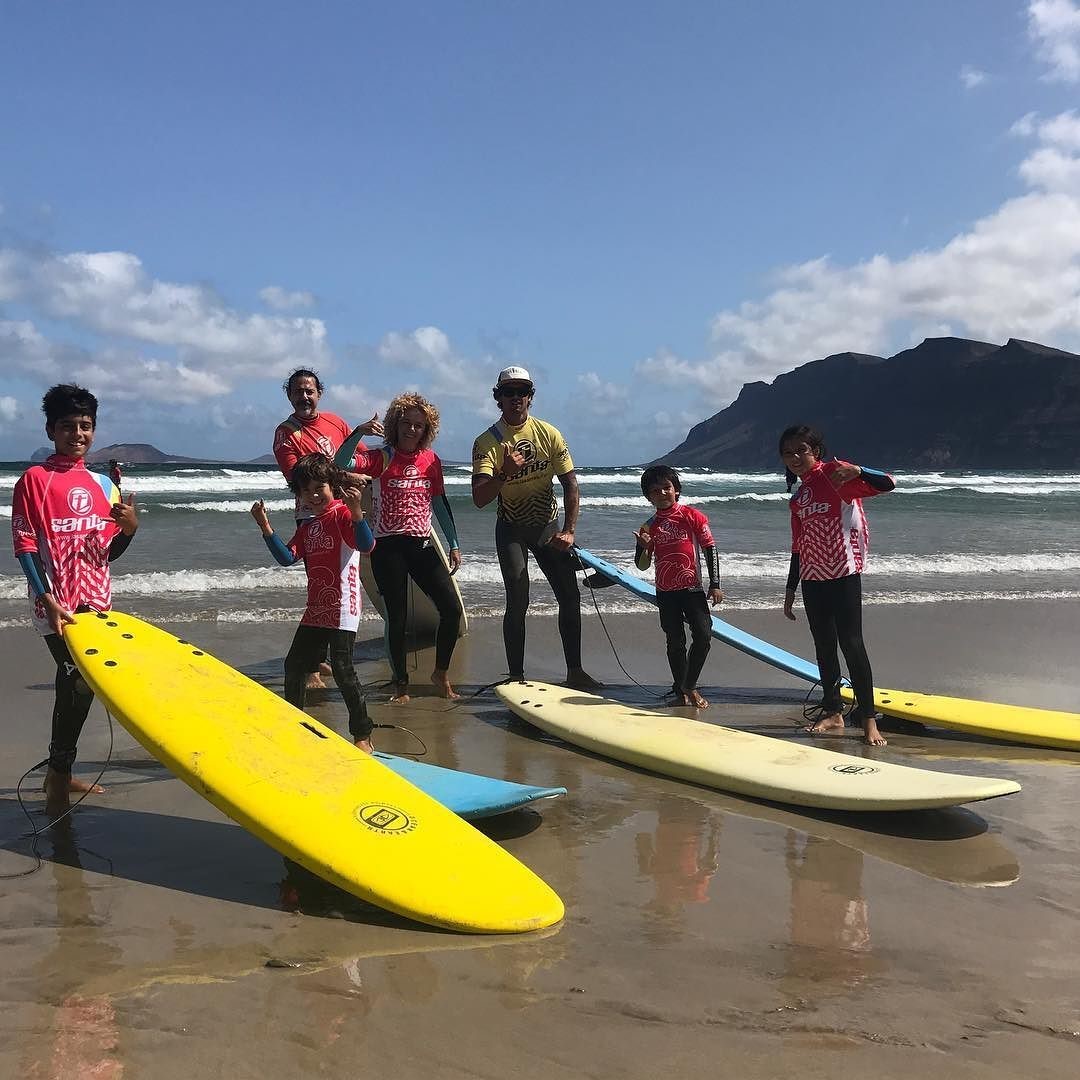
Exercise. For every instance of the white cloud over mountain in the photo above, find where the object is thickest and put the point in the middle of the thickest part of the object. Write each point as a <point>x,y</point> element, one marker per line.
<point>1014,273</point>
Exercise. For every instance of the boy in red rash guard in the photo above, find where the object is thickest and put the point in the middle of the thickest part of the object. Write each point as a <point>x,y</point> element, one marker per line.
<point>67,525</point>
<point>330,544</point>
<point>829,541</point>
<point>676,535</point>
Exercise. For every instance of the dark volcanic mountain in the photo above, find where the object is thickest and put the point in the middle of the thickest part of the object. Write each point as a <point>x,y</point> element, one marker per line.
<point>948,403</point>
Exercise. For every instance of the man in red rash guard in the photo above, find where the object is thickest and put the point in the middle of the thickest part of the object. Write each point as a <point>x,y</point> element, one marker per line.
<point>67,525</point>
<point>309,431</point>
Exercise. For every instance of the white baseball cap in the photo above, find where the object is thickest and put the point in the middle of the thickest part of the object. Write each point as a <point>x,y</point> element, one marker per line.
<point>513,374</point>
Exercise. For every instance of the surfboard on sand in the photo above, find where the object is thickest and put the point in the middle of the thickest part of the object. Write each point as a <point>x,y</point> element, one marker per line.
<point>1011,723</point>
<point>297,785</point>
<point>423,617</point>
<point>738,761</point>
<point>469,795</point>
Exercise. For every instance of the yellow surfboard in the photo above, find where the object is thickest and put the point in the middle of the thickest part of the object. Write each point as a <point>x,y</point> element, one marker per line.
<point>300,787</point>
<point>1013,723</point>
<point>740,761</point>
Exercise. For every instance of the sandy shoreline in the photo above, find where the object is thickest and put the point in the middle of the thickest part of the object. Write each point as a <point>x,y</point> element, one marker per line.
<point>700,927</point>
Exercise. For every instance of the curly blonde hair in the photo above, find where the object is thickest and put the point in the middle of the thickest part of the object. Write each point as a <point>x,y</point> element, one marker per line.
<point>399,407</point>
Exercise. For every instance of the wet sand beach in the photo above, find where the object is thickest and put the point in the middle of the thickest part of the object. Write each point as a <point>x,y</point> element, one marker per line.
<point>705,933</point>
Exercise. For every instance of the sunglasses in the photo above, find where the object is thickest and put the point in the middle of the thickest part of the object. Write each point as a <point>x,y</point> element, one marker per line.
<point>796,451</point>
<point>514,391</point>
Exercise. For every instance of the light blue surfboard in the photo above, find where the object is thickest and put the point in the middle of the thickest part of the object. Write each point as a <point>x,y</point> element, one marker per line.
<point>722,631</point>
<point>469,795</point>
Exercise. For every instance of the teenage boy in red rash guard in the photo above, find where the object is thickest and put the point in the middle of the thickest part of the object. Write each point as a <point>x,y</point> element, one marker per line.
<point>330,543</point>
<point>676,536</point>
<point>310,431</point>
<point>829,541</point>
<point>67,525</point>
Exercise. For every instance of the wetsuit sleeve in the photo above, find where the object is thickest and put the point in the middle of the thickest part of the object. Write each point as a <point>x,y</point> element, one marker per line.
<point>281,553</point>
<point>363,536</point>
<point>642,558</point>
<point>879,481</point>
<point>34,571</point>
<point>445,517</point>
<point>119,545</point>
<point>343,459</point>
<point>712,561</point>
<point>793,572</point>
<point>870,482</point>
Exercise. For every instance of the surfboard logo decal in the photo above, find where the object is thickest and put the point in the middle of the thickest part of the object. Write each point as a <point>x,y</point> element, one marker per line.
<point>854,770</point>
<point>386,819</point>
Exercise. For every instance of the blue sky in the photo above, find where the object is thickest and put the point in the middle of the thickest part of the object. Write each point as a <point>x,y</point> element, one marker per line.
<point>646,204</point>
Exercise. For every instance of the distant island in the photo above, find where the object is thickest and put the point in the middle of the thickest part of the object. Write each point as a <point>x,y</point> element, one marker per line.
<point>948,403</point>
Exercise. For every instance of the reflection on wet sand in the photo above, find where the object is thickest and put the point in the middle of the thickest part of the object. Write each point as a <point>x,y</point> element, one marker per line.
<point>84,1035</point>
<point>951,845</point>
<point>680,855</point>
<point>830,918</point>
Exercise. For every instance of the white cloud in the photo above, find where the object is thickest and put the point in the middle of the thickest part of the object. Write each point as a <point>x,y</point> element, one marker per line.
<point>109,293</point>
<point>354,403</point>
<point>1054,26</point>
<point>972,77</point>
<point>1014,273</point>
<point>603,398</point>
<point>283,300</point>
<point>9,410</point>
<point>160,341</point>
<point>449,374</point>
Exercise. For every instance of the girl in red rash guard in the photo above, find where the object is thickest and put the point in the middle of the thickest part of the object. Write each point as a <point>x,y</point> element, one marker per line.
<point>829,540</point>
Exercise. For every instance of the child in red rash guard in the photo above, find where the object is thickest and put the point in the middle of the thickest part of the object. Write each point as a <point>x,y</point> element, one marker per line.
<point>676,535</point>
<point>330,544</point>
<point>829,540</point>
<point>67,525</point>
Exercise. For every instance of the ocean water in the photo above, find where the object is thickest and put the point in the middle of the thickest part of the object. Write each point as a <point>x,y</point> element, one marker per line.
<point>939,537</point>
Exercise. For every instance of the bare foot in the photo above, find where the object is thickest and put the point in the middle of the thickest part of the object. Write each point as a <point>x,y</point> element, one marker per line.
<point>365,745</point>
<point>833,724</point>
<point>871,735</point>
<point>81,786</point>
<point>58,788</point>
<point>580,679</point>
<point>400,696</point>
<point>441,681</point>
<point>314,681</point>
<point>695,700</point>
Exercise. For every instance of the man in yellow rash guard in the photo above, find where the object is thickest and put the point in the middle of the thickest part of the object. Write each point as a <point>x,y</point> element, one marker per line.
<point>516,461</point>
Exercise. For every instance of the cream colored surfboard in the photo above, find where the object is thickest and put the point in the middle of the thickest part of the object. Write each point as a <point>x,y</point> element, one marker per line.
<point>738,761</point>
<point>301,787</point>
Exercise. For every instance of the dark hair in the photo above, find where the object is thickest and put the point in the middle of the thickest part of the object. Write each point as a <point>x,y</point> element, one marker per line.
<point>657,474</point>
<point>811,436</point>
<point>66,399</point>
<point>316,469</point>
<point>300,373</point>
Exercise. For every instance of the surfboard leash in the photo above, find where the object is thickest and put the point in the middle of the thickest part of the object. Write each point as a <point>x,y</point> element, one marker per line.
<point>37,833</point>
<point>401,727</point>
<point>603,626</point>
